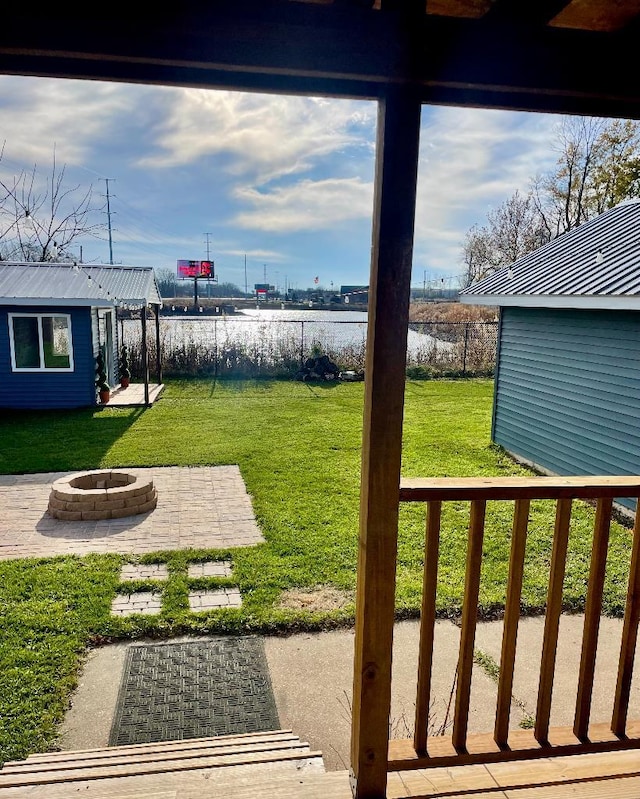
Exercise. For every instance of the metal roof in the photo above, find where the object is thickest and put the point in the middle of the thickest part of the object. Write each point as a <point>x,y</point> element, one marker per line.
<point>77,284</point>
<point>596,265</point>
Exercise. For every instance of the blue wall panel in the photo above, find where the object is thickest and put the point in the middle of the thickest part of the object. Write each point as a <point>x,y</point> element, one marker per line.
<point>41,390</point>
<point>568,390</point>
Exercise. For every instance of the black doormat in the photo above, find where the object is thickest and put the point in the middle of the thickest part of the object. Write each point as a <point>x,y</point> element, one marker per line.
<point>194,690</point>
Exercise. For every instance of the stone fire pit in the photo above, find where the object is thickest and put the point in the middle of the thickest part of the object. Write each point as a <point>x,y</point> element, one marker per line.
<point>96,495</point>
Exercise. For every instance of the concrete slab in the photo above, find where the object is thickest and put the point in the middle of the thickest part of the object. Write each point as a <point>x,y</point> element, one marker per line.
<point>527,668</point>
<point>312,677</point>
<point>312,680</point>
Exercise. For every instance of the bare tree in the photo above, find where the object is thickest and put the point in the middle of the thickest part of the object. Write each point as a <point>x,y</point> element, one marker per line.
<point>598,166</point>
<point>563,196</point>
<point>42,218</point>
<point>512,230</point>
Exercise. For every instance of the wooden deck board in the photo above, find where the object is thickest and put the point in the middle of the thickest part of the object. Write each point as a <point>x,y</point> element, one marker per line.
<point>133,395</point>
<point>602,775</point>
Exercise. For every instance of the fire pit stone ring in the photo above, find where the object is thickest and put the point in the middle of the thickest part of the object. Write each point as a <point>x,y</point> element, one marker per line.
<point>101,494</point>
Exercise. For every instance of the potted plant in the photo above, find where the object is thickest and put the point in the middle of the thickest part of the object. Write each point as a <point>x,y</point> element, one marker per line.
<point>125,373</point>
<point>103,388</point>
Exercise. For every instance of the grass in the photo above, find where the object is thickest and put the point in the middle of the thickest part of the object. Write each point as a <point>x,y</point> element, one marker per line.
<point>298,448</point>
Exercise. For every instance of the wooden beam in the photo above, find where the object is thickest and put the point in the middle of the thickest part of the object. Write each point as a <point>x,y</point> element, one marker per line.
<point>525,12</point>
<point>597,15</point>
<point>338,49</point>
<point>471,9</point>
<point>393,223</point>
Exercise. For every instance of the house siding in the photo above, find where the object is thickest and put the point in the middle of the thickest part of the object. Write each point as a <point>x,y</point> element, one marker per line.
<point>39,390</point>
<point>568,390</point>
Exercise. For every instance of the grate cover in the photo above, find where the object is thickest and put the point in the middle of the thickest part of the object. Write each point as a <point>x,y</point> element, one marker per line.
<point>194,690</point>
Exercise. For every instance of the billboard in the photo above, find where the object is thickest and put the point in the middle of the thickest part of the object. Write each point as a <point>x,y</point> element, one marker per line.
<point>195,269</point>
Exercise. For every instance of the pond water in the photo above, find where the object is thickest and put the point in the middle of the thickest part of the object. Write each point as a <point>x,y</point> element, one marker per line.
<point>332,331</point>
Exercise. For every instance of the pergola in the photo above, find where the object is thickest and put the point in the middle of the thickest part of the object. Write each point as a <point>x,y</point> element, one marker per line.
<point>568,56</point>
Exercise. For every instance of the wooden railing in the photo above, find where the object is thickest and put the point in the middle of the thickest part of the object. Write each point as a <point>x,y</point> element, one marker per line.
<point>542,741</point>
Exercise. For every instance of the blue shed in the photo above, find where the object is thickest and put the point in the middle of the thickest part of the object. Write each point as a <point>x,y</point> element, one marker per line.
<point>567,386</point>
<point>55,319</point>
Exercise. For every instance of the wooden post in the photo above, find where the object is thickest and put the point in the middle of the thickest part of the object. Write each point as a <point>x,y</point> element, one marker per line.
<point>158,356</point>
<point>394,212</point>
<point>145,354</point>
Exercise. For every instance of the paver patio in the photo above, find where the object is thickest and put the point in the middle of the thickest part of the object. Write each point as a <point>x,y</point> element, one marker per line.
<point>203,507</point>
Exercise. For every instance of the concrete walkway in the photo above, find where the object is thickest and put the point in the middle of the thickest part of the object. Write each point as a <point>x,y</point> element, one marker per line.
<point>202,507</point>
<point>311,676</point>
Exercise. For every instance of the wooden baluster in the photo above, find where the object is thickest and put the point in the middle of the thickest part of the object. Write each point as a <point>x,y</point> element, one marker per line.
<point>427,625</point>
<point>511,618</point>
<point>629,636</point>
<point>469,616</point>
<point>552,618</point>
<point>592,617</point>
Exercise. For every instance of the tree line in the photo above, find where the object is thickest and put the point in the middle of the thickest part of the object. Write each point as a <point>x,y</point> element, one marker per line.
<point>597,167</point>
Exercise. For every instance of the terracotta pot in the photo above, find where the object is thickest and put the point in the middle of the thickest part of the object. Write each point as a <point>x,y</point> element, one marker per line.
<point>105,396</point>
<point>124,382</point>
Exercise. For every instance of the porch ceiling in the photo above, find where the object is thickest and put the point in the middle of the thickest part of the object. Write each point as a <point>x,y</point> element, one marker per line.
<point>547,55</point>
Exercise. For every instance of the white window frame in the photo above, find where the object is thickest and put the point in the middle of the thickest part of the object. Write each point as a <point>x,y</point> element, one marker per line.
<point>39,317</point>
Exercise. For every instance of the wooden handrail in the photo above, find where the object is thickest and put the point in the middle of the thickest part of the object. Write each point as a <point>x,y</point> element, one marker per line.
<point>424,752</point>
<point>486,488</point>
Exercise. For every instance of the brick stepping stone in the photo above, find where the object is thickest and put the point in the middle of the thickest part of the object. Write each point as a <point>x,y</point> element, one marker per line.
<point>144,602</point>
<point>144,571</point>
<point>220,568</point>
<point>214,599</point>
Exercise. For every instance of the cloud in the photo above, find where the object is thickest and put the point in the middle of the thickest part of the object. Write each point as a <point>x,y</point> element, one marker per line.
<point>270,255</point>
<point>306,205</point>
<point>471,160</point>
<point>40,113</point>
<point>264,136</point>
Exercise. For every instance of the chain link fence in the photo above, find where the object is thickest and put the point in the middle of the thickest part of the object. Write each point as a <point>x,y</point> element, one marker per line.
<point>240,347</point>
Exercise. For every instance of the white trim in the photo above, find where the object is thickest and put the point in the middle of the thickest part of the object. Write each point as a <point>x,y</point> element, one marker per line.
<point>39,317</point>
<point>606,303</point>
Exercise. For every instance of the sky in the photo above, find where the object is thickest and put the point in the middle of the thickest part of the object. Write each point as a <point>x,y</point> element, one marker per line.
<point>286,181</point>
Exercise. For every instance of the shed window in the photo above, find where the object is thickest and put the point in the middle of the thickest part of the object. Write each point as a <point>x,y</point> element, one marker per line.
<point>40,342</point>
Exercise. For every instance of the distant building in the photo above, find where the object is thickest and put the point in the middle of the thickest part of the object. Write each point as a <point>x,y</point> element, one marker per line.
<point>355,295</point>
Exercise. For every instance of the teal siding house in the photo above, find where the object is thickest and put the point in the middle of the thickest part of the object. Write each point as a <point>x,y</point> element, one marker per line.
<point>567,386</point>
<point>54,321</point>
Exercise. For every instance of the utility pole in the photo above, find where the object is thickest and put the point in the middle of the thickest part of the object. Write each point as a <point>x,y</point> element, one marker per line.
<point>106,180</point>
<point>246,286</point>
<point>265,273</point>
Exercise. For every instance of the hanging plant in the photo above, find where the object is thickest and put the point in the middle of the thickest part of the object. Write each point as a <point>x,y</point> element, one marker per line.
<point>125,373</point>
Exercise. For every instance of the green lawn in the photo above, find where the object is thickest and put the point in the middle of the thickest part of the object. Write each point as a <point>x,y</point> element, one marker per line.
<point>298,448</point>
